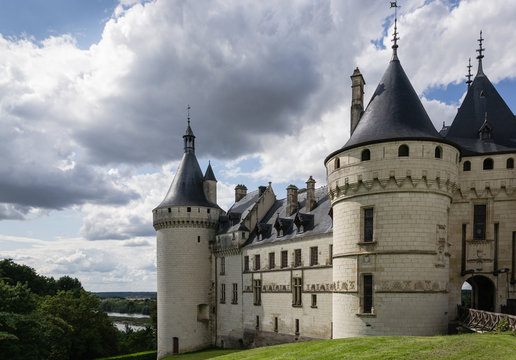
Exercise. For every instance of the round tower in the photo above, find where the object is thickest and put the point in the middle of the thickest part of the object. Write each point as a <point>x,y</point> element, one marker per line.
<point>391,187</point>
<point>185,223</point>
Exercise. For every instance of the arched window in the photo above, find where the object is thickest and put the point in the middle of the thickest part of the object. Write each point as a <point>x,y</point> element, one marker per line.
<point>510,163</point>
<point>337,163</point>
<point>438,152</point>
<point>403,150</point>
<point>466,166</point>
<point>366,155</point>
<point>488,164</point>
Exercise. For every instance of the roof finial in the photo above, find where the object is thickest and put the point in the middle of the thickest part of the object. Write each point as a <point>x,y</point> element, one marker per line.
<point>469,81</point>
<point>189,137</point>
<point>395,37</point>
<point>480,55</point>
<point>188,113</point>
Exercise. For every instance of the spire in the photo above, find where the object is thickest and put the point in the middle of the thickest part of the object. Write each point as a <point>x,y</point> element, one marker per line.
<point>395,37</point>
<point>480,55</point>
<point>469,81</point>
<point>189,137</point>
<point>209,175</point>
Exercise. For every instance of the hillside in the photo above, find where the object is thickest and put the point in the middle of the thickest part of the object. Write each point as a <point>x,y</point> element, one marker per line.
<point>467,346</point>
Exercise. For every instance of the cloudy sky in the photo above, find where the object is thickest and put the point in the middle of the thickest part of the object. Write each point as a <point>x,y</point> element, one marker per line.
<point>93,98</point>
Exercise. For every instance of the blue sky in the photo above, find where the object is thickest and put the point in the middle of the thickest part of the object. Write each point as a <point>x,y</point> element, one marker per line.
<point>93,98</point>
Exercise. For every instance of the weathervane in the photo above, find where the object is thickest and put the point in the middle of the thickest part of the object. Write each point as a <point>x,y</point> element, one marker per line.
<point>188,113</point>
<point>469,81</point>
<point>395,37</point>
<point>480,55</point>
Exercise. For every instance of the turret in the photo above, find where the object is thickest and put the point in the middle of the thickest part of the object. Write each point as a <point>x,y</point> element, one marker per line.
<point>185,223</point>
<point>210,185</point>
<point>357,98</point>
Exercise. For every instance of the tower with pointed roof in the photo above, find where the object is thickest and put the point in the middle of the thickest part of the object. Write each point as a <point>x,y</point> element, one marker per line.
<point>390,187</point>
<point>185,223</point>
<point>483,211</point>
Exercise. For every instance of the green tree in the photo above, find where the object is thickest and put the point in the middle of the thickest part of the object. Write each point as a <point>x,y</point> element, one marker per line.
<point>92,333</point>
<point>13,273</point>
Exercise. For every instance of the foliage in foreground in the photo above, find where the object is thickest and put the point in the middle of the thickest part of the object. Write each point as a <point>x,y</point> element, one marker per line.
<point>146,355</point>
<point>58,320</point>
<point>467,346</point>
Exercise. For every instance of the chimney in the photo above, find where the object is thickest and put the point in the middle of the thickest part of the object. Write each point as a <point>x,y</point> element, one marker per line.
<point>310,194</point>
<point>291,200</point>
<point>240,192</point>
<point>261,190</point>
<point>357,98</point>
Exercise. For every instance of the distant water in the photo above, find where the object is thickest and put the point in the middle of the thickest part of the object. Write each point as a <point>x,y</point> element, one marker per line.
<point>128,315</point>
<point>121,327</point>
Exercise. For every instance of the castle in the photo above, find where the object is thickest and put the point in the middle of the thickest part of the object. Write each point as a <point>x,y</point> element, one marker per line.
<point>408,216</point>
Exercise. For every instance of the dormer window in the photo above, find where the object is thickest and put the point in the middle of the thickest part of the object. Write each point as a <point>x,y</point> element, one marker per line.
<point>301,228</point>
<point>260,237</point>
<point>280,232</point>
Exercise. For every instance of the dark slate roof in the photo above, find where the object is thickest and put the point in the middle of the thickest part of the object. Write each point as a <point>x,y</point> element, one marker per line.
<point>237,212</point>
<point>481,99</point>
<point>394,113</point>
<point>314,222</point>
<point>209,175</point>
<point>187,187</point>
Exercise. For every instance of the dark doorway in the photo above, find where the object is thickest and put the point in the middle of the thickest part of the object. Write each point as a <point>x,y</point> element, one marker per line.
<point>175,345</point>
<point>482,293</point>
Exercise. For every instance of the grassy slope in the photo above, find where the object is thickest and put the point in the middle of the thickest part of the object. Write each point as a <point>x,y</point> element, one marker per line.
<point>468,346</point>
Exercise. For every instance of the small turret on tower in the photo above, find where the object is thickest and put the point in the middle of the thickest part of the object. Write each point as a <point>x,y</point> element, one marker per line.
<point>210,184</point>
<point>357,98</point>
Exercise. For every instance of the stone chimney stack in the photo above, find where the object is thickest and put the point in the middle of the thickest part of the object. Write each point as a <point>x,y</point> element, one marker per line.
<point>357,98</point>
<point>291,199</point>
<point>261,190</point>
<point>310,194</point>
<point>240,192</point>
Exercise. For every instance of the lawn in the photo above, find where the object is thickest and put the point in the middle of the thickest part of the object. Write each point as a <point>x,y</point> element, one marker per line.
<point>467,346</point>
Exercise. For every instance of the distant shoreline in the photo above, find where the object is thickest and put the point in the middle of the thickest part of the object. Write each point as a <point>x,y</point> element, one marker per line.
<point>126,294</point>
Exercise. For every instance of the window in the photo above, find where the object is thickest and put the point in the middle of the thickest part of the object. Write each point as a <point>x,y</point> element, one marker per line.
<point>314,300</point>
<point>403,150</point>
<point>222,293</point>
<point>368,294</point>
<point>284,258</point>
<point>479,222</point>
<point>297,285</point>
<point>169,210</point>
<point>208,211</point>
<point>198,239</point>
<point>243,235</point>
<point>297,326</point>
<point>257,262</point>
<point>314,256</point>
<point>297,257</point>
<point>222,265</point>
<point>510,163</point>
<point>188,209</point>
<point>438,152</point>
<point>337,163</point>
<point>368,225</point>
<point>234,299</point>
<point>257,292</point>
<point>280,232</point>
<point>272,259</point>
<point>488,164</point>
<point>513,277</point>
<point>246,263</point>
<point>466,166</point>
<point>257,322</point>
<point>275,324</point>
<point>366,155</point>
<point>331,254</point>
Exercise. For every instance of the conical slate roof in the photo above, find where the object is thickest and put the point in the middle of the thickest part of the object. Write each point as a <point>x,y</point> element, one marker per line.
<point>187,187</point>
<point>483,104</point>
<point>209,175</point>
<point>394,112</point>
